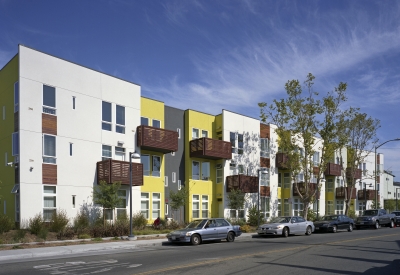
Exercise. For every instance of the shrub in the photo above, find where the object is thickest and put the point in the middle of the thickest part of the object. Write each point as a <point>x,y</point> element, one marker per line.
<point>81,222</point>
<point>96,230</point>
<point>59,222</point>
<point>173,225</point>
<point>36,224</point>
<point>254,215</point>
<point>19,236</point>
<point>97,239</point>
<point>122,227</point>
<point>139,221</point>
<point>84,236</point>
<point>245,228</point>
<point>352,214</point>
<point>42,234</point>
<point>6,224</point>
<point>311,215</point>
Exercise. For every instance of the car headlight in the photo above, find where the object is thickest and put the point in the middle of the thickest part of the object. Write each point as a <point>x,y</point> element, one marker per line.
<point>188,234</point>
<point>279,227</point>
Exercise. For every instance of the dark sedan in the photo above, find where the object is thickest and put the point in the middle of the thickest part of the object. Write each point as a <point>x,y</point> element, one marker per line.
<point>397,219</point>
<point>334,223</point>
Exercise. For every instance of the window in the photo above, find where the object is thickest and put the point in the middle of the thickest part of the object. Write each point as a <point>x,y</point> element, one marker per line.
<point>279,208</point>
<point>5,158</point>
<point>144,121</point>
<point>156,166</point>
<point>264,179</point>
<point>166,181</point>
<point>361,206</point>
<point>195,207</point>
<point>240,144</point>
<point>195,170</point>
<point>204,206</point>
<point>166,209</point>
<point>156,212</point>
<point>220,176</point>
<point>179,185</point>
<point>15,144</point>
<point>265,202</point>
<point>106,116</point>
<point>144,204</point>
<point>232,138</point>
<point>339,207</point>
<point>120,153</point>
<point>4,112</point>
<point>49,202</point>
<point>73,201</point>
<point>329,185</point>
<point>145,160</point>
<point>329,208</point>
<point>195,133</point>
<point>106,152</point>
<point>300,177</point>
<point>316,158</point>
<point>173,177</point>
<point>120,119</point>
<point>241,169</point>
<point>364,169</point>
<point>73,102</point>
<point>236,214</point>
<point>279,180</point>
<point>204,133</point>
<point>16,97</point>
<point>121,207</point>
<point>339,182</point>
<point>286,207</point>
<point>264,147</point>
<point>205,170</point>
<point>156,123</point>
<point>297,207</point>
<point>70,149</point>
<point>49,149</point>
<point>179,133</point>
<point>286,180</point>
<point>49,100</point>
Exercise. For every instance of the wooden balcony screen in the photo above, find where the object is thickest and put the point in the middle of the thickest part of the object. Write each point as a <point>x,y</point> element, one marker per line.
<point>265,191</point>
<point>246,184</point>
<point>341,192</point>
<point>265,162</point>
<point>210,148</point>
<point>157,139</point>
<point>281,159</point>
<point>302,187</point>
<point>265,131</point>
<point>49,173</point>
<point>115,170</point>
<point>370,195</point>
<point>333,169</point>
<point>357,174</point>
<point>49,124</point>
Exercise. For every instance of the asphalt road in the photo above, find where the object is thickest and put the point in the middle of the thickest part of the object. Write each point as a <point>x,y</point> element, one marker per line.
<point>365,251</point>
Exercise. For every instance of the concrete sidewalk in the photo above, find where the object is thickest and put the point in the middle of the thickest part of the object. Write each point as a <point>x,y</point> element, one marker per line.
<point>33,253</point>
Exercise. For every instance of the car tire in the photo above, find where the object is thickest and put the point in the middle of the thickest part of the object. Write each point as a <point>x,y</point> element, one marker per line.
<point>376,226</point>
<point>350,229</point>
<point>195,239</point>
<point>308,231</point>
<point>231,237</point>
<point>334,229</point>
<point>285,232</point>
<point>391,223</point>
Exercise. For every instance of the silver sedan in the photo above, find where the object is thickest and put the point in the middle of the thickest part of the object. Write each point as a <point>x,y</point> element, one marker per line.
<point>287,225</point>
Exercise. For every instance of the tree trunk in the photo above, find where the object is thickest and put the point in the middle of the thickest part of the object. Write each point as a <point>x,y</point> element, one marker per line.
<point>305,209</point>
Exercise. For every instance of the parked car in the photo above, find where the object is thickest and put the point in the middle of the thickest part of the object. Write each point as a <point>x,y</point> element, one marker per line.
<point>334,223</point>
<point>287,225</point>
<point>206,230</point>
<point>397,220</point>
<point>375,218</point>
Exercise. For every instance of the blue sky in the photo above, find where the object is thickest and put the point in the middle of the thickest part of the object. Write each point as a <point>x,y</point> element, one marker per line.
<point>214,55</point>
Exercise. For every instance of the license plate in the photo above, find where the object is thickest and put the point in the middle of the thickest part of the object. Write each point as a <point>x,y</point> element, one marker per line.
<point>317,228</point>
<point>173,238</point>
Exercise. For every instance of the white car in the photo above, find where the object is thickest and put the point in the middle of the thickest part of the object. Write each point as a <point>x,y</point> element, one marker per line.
<point>287,225</point>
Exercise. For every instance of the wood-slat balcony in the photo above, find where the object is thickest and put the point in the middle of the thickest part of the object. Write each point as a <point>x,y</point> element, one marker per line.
<point>157,139</point>
<point>369,195</point>
<point>246,184</point>
<point>302,188</point>
<point>210,148</point>
<point>333,169</point>
<point>342,191</point>
<point>281,160</point>
<point>113,171</point>
<point>357,174</point>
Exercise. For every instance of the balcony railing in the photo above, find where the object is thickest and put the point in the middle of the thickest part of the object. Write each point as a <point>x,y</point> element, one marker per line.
<point>115,170</point>
<point>265,162</point>
<point>246,184</point>
<point>342,191</point>
<point>302,188</point>
<point>210,148</point>
<point>333,169</point>
<point>369,195</point>
<point>281,160</point>
<point>157,139</point>
<point>357,174</point>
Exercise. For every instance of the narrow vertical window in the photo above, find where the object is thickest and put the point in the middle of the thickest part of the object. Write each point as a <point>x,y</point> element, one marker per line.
<point>145,160</point>
<point>166,181</point>
<point>240,144</point>
<point>179,133</point>
<point>49,149</point>
<point>144,204</point>
<point>49,202</point>
<point>156,168</point>
<point>4,112</point>
<point>73,201</point>
<point>173,177</point>
<point>106,152</point>
<point>156,123</point>
<point>156,203</point>
<point>204,206</point>
<point>195,170</point>
<point>205,171</point>
<point>49,100</point>
<point>220,176</point>
<point>166,209</point>
<point>144,121</point>
<point>195,133</point>
<point>15,144</point>
<point>73,102</point>
<point>204,133</point>
<point>16,97</point>
<point>70,149</point>
<point>120,121</point>
<point>120,153</point>
<point>196,206</point>
<point>121,207</point>
<point>179,185</point>
<point>106,116</point>
<point>232,138</point>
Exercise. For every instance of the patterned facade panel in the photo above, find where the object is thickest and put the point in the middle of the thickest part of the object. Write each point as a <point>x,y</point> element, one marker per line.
<point>357,174</point>
<point>265,191</point>
<point>265,131</point>
<point>265,162</point>
<point>333,169</point>
<point>302,188</point>
<point>246,184</point>
<point>157,139</point>
<point>210,148</point>
<point>112,171</point>
<point>49,124</point>
<point>342,191</point>
<point>49,173</point>
<point>281,160</point>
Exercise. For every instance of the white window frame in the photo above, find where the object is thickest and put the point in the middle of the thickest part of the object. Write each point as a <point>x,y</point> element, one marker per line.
<point>16,98</point>
<point>15,144</point>
<point>203,176</point>
<point>195,201</point>
<point>286,207</point>
<point>279,207</point>
<point>316,159</point>
<point>330,184</point>
<point>49,195</point>
<point>240,169</point>
<point>47,158</point>
<point>105,122</point>
<point>120,151</point>
<point>330,210</point>
<point>198,133</point>
<point>204,202</point>
<point>145,212</point>
<point>179,132</point>
<point>179,185</point>
<point>264,147</point>
<point>233,142</point>
<point>219,179</point>
<point>339,207</point>
<point>166,209</point>
<point>286,180</point>
<point>298,207</point>
<point>204,133</point>
<point>104,157</point>
<point>50,110</point>
<point>122,210</point>
<point>146,173</point>
<point>173,177</point>
<point>264,179</point>
<point>155,212</point>
<point>265,207</point>
<point>240,144</point>
<point>119,127</point>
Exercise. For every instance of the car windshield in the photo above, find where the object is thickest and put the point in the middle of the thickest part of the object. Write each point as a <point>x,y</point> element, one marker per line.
<point>283,220</point>
<point>370,213</point>
<point>196,224</point>
<point>330,218</point>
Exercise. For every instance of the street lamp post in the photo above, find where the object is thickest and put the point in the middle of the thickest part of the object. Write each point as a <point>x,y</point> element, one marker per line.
<point>376,170</point>
<point>259,173</point>
<point>132,155</point>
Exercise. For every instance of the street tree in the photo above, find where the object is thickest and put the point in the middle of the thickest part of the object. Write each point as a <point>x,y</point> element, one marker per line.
<point>106,195</point>
<point>307,125</point>
<point>236,199</point>
<point>178,199</point>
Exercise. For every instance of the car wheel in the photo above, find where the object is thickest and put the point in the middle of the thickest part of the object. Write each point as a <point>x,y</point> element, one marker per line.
<point>231,237</point>
<point>195,239</point>
<point>308,230</point>
<point>350,229</point>
<point>285,232</point>
<point>334,229</point>
<point>357,227</point>
<point>391,223</point>
<point>376,225</point>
